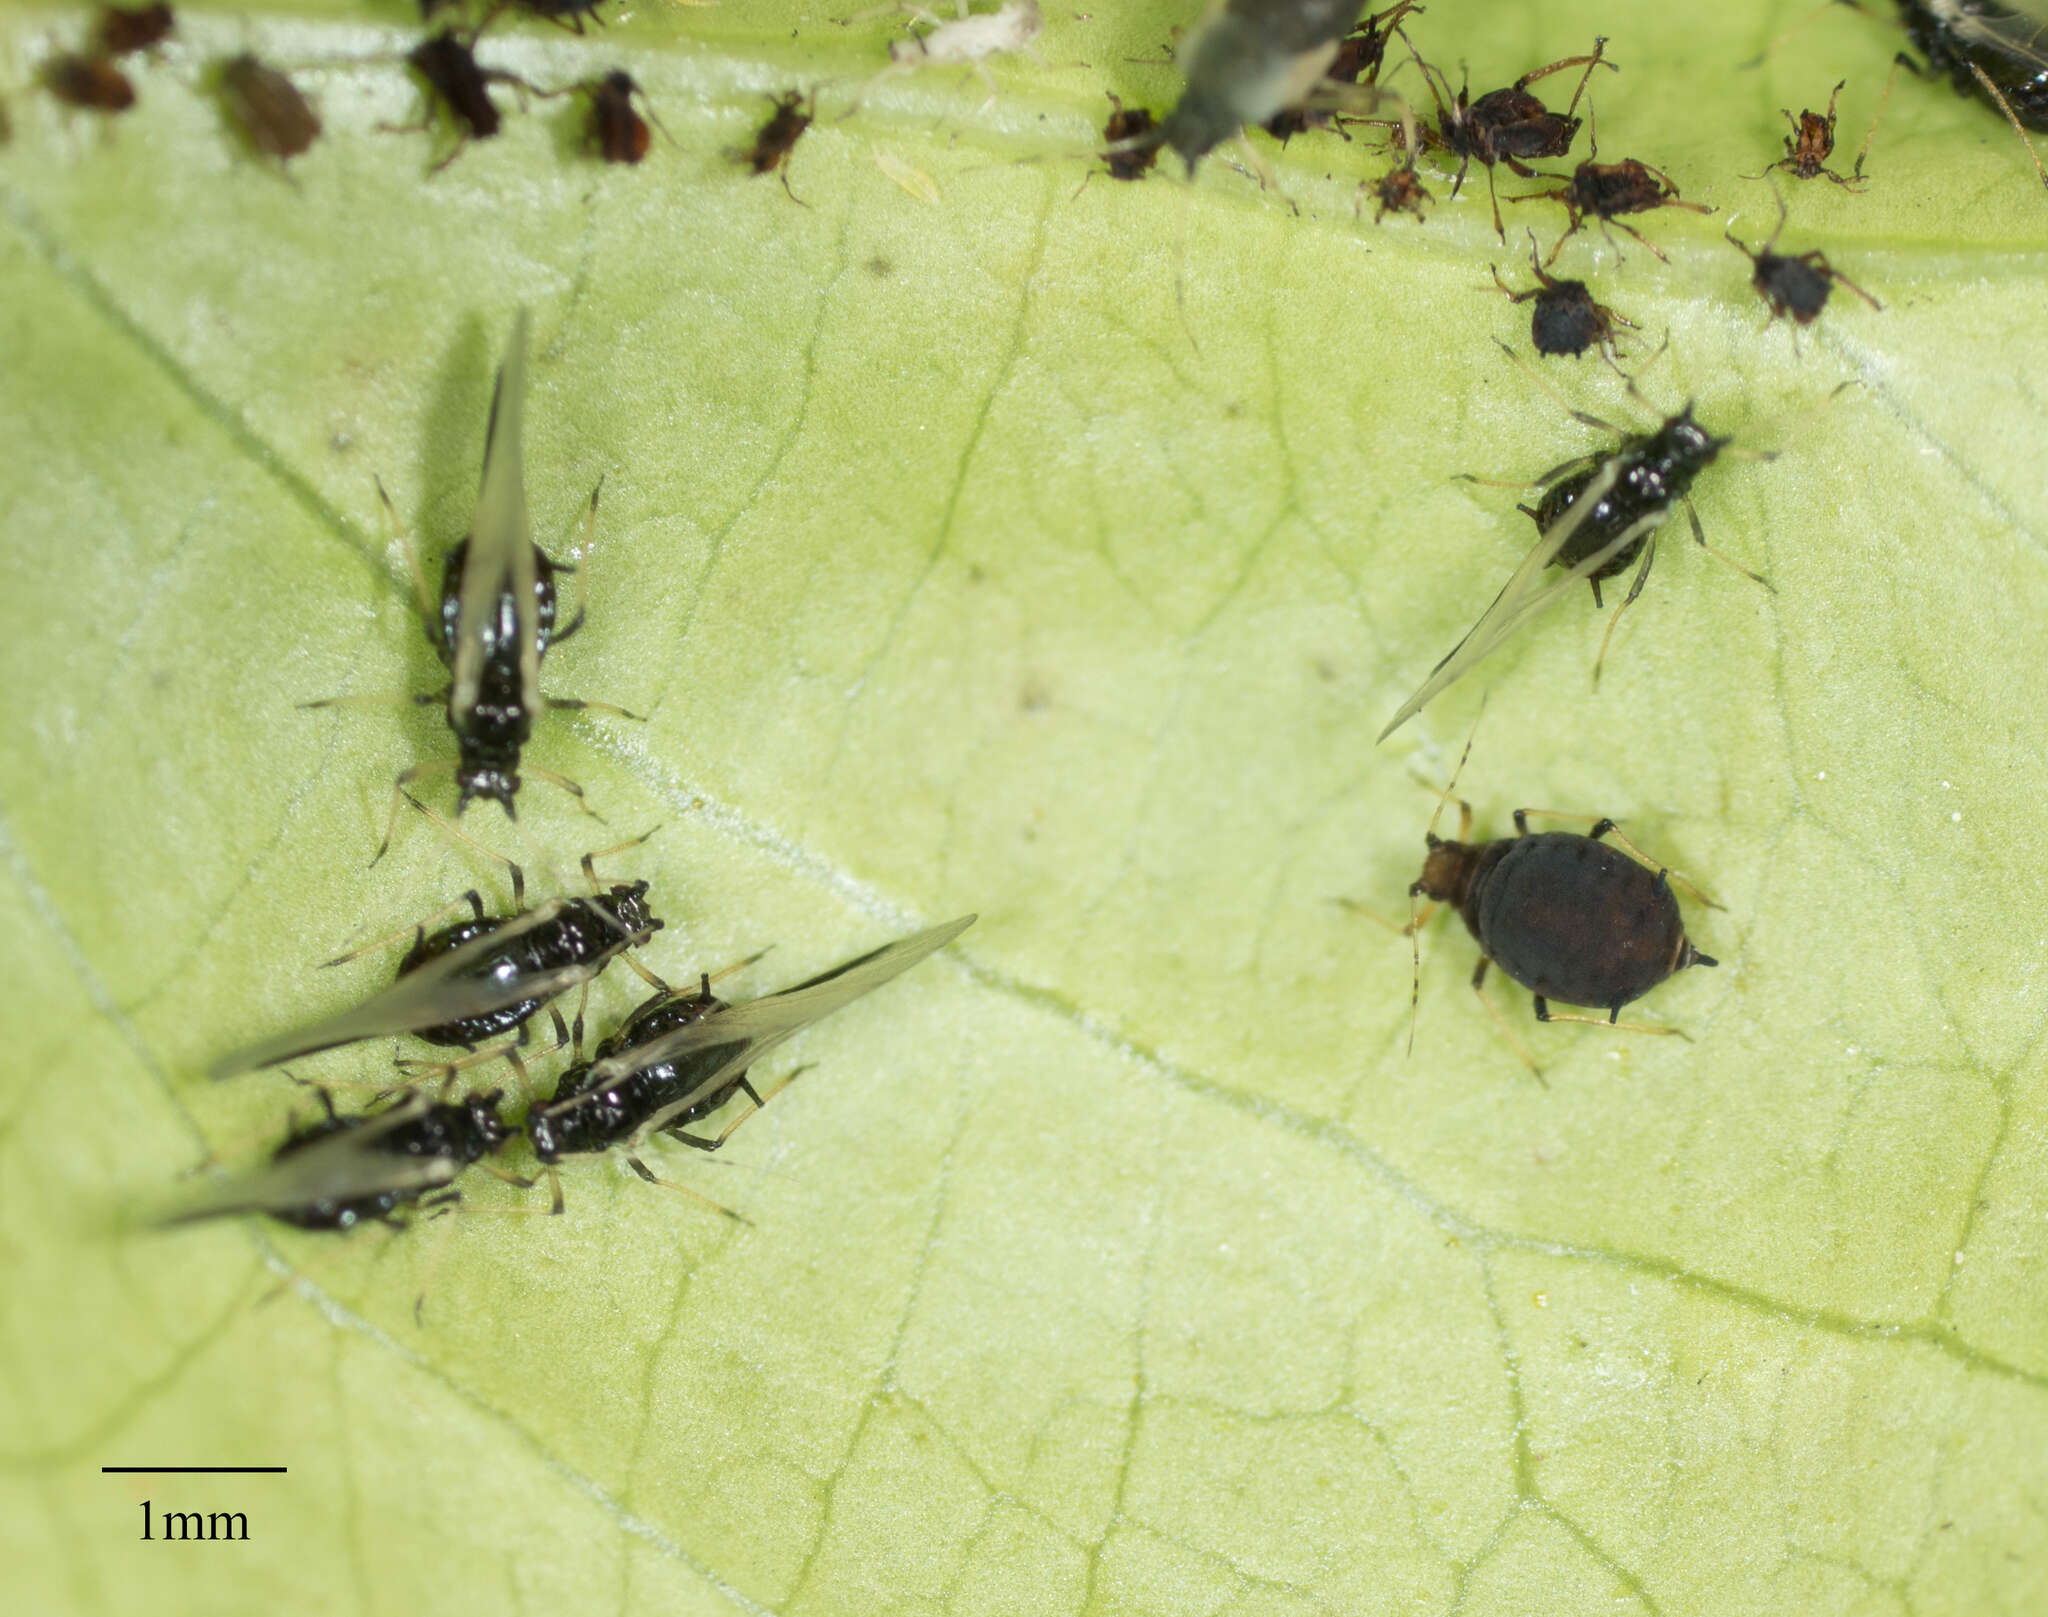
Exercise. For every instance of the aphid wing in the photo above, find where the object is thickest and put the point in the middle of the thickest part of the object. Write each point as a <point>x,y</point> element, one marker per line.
<point>2021,32</point>
<point>1513,603</point>
<point>341,1167</point>
<point>500,554</point>
<point>427,997</point>
<point>753,1029</point>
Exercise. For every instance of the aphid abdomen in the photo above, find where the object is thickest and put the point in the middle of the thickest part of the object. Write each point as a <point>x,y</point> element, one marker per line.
<point>500,629</point>
<point>597,1118</point>
<point>521,959</point>
<point>1574,920</point>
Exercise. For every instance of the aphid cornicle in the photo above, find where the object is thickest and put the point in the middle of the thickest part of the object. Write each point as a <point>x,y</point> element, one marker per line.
<point>681,1057</point>
<point>337,1172</point>
<point>1569,917</point>
<point>479,978</point>
<point>1597,513</point>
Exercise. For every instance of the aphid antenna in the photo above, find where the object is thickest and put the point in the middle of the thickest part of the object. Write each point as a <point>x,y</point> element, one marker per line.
<point>430,606</point>
<point>1998,96</point>
<point>1556,393</point>
<point>414,930</point>
<point>1884,101</point>
<point>449,829</point>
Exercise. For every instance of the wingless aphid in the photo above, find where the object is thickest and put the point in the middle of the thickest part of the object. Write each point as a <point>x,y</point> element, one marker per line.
<point>1360,55</point>
<point>1567,916</point>
<point>91,82</point>
<point>681,1057</point>
<point>267,107</point>
<point>1596,514</point>
<point>479,979</point>
<point>1812,143</point>
<point>448,64</point>
<point>1565,319</point>
<point>968,40</point>
<point>617,130</point>
<point>1998,51</point>
<point>122,32</point>
<point>775,140</point>
<point>495,618</point>
<point>1606,191</point>
<point>338,1172</point>
<point>1248,61</point>
<point>1797,285</point>
<point>1508,126</point>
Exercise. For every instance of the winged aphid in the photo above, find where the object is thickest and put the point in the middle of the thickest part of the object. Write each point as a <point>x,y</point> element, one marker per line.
<point>681,1057</point>
<point>339,1171</point>
<point>1996,50</point>
<point>478,979</point>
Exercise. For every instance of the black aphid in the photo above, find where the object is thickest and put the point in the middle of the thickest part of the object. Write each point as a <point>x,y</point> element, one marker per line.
<point>1565,319</point>
<point>267,107</point>
<point>1360,55</point>
<point>1128,137</point>
<point>681,1057</point>
<point>122,32</point>
<point>447,62</point>
<point>1509,126</point>
<point>337,1172</point>
<point>1246,62</point>
<point>1596,514</point>
<point>776,139</point>
<point>481,978</point>
<point>1567,916</point>
<point>92,82</point>
<point>1796,285</point>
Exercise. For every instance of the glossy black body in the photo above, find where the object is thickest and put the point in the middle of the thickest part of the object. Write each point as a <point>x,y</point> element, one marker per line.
<point>1572,919</point>
<point>490,735</point>
<point>585,1117</point>
<point>1657,469</point>
<point>88,81</point>
<point>461,1132</point>
<point>1509,126</point>
<point>450,68</point>
<point>617,130</point>
<point>267,107</point>
<point>121,32</point>
<point>2009,45</point>
<point>583,932</point>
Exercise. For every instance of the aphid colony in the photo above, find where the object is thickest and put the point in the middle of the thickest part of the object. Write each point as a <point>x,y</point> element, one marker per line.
<point>476,984</point>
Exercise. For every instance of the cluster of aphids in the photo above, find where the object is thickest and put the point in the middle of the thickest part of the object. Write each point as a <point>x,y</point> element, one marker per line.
<point>476,985</point>
<point>1565,915</point>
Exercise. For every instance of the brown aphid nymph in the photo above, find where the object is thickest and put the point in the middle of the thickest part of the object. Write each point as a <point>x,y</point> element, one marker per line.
<point>92,82</point>
<point>617,130</point>
<point>1571,918</point>
<point>124,32</point>
<point>1812,142</point>
<point>267,107</point>
<point>1795,285</point>
<point>776,139</point>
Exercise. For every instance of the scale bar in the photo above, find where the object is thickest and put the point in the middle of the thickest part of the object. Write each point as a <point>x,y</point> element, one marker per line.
<point>211,1470</point>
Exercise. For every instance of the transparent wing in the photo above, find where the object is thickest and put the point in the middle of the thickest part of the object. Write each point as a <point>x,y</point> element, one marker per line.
<point>340,1167</point>
<point>500,554</point>
<point>2021,31</point>
<point>1523,596</point>
<point>428,997</point>
<point>742,1034</point>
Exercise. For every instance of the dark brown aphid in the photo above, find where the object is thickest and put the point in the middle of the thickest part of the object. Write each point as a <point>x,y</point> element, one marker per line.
<point>1566,319</point>
<point>1359,57</point>
<point>122,32</point>
<point>452,72</point>
<point>267,107</point>
<point>1606,191</point>
<point>1799,285</point>
<point>1508,126</point>
<point>1130,154</point>
<point>1567,916</point>
<point>92,82</point>
<point>776,139</point>
<point>1812,142</point>
<point>617,130</point>
<point>1399,190</point>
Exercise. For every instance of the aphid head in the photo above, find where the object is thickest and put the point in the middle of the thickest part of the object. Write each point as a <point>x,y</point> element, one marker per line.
<point>1447,872</point>
<point>629,907</point>
<point>1688,444</point>
<point>487,1130</point>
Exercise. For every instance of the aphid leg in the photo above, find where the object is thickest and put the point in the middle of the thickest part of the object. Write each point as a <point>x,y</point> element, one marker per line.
<point>645,975</point>
<point>1612,1020</point>
<point>1840,279</point>
<point>576,704</point>
<point>581,569</point>
<point>556,779</point>
<point>1699,535</point>
<point>1597,59</point>
<point>654,1178</point>
<point>555,1203</point>
<point>444,766</point>
<point>430,606</point>
<point>727,1133</point>
<point>1804,22</point>
<point>1635,588</point>
<point>416,931</point>
<point>2004,106</point>
<point>1564,404</point>
<point>588,863</point>
<point>1603,828</point>
<point>417,1068</point>
<point>1500,1022</point>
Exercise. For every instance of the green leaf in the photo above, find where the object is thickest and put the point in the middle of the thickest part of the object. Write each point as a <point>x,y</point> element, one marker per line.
<point>1054,553</point>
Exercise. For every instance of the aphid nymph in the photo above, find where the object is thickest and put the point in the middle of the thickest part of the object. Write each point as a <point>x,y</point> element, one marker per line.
<point>1131,149</point>
<point>1567,916</point>
<point>1995,50</point>
<point>1565,319</point>
<point>617,130</point>
<point>91,82</point>
<point>775,140</point>
<point>1812,142</point>
<point>1796,285</point>
<point>1360,55</point>
<point>1606,191</point>
<point>122,32</point>
<point>448,64</point>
